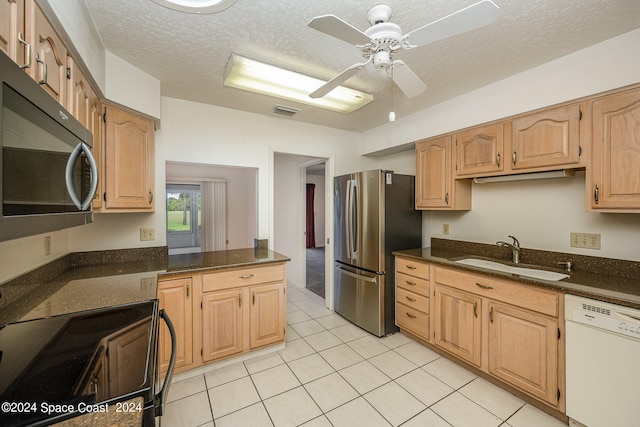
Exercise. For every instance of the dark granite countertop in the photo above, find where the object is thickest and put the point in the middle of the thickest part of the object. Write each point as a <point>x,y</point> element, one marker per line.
<point>216,260</point>
<point>613,281</point>
<point>91,280</point>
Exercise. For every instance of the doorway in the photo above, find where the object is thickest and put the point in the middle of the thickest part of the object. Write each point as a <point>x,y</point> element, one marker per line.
<point>184,213</point>
<point>315,228</point>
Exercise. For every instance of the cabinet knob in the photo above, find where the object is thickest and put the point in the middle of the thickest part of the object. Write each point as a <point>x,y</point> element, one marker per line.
<point>514,158</point>
<point>246,276</point>
<point>410,299</point>
<point>498,159</point>
<point>410,315</point>
<point>475,309</point>
<point>491,315</point>
<point>44,70</point>
<point>596,194</point>
<point>150,196</point>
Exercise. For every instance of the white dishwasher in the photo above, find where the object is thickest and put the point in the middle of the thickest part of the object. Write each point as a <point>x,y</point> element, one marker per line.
<point>603,363</point>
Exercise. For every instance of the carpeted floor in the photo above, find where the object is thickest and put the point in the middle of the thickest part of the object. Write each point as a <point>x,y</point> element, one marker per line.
<point>315,270</point>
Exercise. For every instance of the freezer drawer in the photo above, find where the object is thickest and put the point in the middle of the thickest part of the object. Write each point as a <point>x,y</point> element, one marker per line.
<point>358,297</point>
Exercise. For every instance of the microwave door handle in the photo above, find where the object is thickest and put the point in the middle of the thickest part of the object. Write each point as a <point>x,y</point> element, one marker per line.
<point>94,177</point>
<point>68,176</point>
<point>162,395</point>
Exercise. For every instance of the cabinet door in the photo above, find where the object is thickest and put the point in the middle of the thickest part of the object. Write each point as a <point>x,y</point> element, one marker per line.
<point>222,324</point>
<point>457,323</point>
<point>268,308</point>
<point>49,66</point>
<point>480,150</point>
<point>12,29</point>
<point>615,153</point>
<point>548,138</point>
<point>176,299</point>
<point>96,128</point>
<point>433,169</point>
<point>523,350</point>
<point>81,95</point>
<point>129,168</point>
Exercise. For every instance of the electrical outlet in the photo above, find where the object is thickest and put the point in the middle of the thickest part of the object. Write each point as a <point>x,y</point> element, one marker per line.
<point>585,240</point>
<point>47,245</point>
<point>147,234</point>
<point>445,229</point>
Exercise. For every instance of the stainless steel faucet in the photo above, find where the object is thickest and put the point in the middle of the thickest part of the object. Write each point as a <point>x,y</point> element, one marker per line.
<point>515,248</point>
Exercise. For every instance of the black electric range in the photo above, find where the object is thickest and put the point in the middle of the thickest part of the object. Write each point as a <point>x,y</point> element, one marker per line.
<point>81,363</point>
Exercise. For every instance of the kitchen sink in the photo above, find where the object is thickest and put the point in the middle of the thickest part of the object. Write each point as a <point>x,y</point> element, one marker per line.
<point>520,271</point>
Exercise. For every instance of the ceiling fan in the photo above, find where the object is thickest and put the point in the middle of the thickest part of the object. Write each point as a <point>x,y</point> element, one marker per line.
<point>379,42</point>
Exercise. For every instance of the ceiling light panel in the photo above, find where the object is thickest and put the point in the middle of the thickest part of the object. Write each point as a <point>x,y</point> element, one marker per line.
<point>196,6</point>
<point>255,76</point>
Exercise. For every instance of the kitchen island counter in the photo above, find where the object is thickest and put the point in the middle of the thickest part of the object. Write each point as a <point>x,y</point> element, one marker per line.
<point>91,280</point>
<point>610,280</point>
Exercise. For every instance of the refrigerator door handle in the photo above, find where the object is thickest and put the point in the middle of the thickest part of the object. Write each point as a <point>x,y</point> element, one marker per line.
<point>347,228</point>
<point>355,225</point>
<point>358,276</point>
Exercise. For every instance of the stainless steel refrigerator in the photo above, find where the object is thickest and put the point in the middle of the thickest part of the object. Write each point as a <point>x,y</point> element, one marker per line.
<point>374,216</point>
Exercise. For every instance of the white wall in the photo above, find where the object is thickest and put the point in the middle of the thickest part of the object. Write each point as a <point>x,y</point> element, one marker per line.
<point>131,87</point>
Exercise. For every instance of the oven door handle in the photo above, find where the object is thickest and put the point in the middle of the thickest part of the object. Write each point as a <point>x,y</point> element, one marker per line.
<point>161,396</point>
<point>68,176</point>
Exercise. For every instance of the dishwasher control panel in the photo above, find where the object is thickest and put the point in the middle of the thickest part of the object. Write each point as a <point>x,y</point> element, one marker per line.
<point>610,317</point>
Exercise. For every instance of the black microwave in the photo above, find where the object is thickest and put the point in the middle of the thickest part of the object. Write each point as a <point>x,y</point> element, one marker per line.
<point>47,174</point>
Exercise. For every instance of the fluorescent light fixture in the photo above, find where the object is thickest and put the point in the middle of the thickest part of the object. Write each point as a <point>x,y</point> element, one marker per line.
<point>196,6</point>
<point>564,173</point>
<point>254,76</point>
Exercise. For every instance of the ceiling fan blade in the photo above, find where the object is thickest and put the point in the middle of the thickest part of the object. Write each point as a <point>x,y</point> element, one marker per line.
<point>338,80</point>
<point>336,27</point>
<point>335,82</point>
<point>408,81</point>
<point>477,15</point>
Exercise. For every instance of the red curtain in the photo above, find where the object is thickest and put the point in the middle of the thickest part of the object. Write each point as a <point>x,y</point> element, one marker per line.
<point>311,227</point>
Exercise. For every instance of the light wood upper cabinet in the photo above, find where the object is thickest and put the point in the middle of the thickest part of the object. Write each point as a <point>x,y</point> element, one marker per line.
<point>523,350</point>
<point>81,96</point>
<point>12,29</point>
<point>129,161</point>
<point>613,172</point>
<point>480,151</point>
<point>176,298</point>
<point>435,184</point>
<point>49,64</point>
<point>547,139</point>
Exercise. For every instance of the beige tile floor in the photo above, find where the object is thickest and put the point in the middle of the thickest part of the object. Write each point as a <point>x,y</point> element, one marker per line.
<point>332,373</point>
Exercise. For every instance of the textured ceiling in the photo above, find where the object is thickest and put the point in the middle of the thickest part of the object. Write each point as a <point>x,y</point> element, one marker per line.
<point>188,52</point>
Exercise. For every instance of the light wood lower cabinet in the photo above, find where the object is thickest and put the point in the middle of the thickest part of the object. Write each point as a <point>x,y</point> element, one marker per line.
<point>412,297</point>
<point>268,308</point>
<point>523,350</point>
<point>176,298</point>
<point>222,314</point>
<point>457,323</point>
<point>509,330</point>
<point>223,324</point>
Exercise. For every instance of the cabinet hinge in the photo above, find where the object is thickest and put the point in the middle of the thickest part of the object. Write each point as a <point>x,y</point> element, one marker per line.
<point>68,73</point>
<point>200,305</point>
<point>104,117</point>
<point>104,196</point>
<point>579,114</point>
<point>579,150</point>
<point>558,394</point>
<point>558,333</point>
<point>201,352</point>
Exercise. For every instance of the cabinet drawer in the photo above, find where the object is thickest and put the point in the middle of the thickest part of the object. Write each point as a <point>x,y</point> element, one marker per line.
<point>413,320</point>
<point>416,301</point>
<point>413,284</point>
<point>529,297</point>
<point>242,277</point>
<point>413,268</point>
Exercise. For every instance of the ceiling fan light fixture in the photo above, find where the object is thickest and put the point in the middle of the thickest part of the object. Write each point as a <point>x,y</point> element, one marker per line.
<point>196,6</point>
<point>254,76</point>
